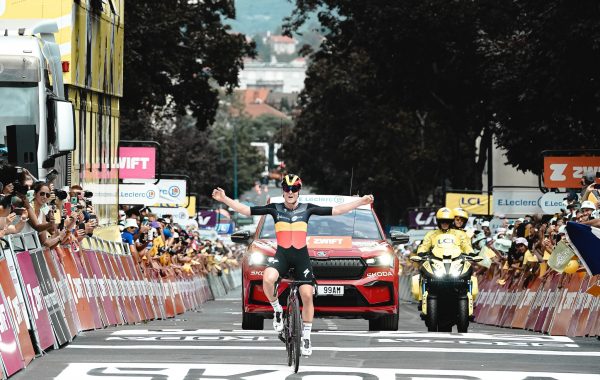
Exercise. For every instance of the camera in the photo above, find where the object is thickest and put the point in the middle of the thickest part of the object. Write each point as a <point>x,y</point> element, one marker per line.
<point>61,194</point>
<point>19,188</point>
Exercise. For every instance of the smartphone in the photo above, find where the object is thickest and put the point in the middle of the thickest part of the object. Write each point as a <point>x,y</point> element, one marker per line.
<point>19,211</point>
<point>81,226</point>
<point>67,208</point>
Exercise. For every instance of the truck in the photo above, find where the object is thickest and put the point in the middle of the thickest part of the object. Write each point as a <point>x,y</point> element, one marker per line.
<point>61,80</point>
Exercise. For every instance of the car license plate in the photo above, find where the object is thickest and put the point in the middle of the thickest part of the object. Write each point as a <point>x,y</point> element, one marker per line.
<point>330,290</point>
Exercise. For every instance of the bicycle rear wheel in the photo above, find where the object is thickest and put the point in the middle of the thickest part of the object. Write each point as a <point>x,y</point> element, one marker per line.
<point>296,325</point>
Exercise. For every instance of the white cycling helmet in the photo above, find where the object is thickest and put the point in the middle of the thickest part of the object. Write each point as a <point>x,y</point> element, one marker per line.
<point>588,204</point>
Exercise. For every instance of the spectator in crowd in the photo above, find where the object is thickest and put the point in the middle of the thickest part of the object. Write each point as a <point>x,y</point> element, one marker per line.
<point>485,227</point>
<point>587,208</point>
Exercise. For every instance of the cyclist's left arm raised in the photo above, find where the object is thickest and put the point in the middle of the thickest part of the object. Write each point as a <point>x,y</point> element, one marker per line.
<point>347,207</point>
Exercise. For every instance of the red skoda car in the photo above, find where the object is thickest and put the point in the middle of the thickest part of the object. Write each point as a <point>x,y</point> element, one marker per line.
<point>354,265</point>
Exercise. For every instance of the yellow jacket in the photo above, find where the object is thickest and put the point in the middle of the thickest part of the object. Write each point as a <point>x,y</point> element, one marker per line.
<point>429,240</point>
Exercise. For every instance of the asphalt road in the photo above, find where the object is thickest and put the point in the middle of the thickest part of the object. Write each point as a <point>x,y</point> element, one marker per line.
<point>209,344</point>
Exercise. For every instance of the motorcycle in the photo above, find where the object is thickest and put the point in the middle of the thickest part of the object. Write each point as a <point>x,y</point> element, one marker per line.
<point>446,286</point>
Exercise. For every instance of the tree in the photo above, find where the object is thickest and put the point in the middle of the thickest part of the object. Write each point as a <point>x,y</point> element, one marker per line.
<point>392,100</point>
<point>544,77</point>
<point>176,54</point>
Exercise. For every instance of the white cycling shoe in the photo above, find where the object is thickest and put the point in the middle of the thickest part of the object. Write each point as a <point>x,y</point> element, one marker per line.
<point>278,321</point>
<point>306,348</point>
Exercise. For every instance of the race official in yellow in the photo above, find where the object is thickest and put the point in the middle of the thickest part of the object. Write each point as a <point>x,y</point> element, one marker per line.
<point>461,216</point>
<point>445,218</point>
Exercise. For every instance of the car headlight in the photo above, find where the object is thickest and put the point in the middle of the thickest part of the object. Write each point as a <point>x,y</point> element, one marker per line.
<point>257,258</point>
<point>383,260</point>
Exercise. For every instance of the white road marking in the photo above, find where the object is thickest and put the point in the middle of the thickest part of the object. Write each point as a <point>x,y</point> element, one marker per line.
<point>179,371</point>
<point>330,324</point>
<point>454,350</point>
<point>382,334</point>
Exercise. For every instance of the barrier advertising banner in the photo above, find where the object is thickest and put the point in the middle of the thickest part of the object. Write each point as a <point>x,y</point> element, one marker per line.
<point>478,204</point>
<point>18,312</point>
<point>96,272</point>
<point>36,301</point>
<point>9,350</point>
<point>53,302</point>
<point>567,172</point>
<point>62,290</point>
<point>137,162</point>
<point>90,287</point>
<point>80,297</point>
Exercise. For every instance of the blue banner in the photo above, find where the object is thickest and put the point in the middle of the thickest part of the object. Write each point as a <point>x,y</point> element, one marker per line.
<point>586,244</point>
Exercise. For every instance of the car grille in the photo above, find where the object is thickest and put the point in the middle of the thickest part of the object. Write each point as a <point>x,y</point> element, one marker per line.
<point>338,269</point>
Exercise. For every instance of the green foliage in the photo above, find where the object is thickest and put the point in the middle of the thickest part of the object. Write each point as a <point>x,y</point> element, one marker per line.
<point>392,100</point>
<point>399,92</point>
<point>177,55</point>
<point>545,79</point>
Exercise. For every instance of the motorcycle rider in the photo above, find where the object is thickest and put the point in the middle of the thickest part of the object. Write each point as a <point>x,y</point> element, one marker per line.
<point>445,219</point>
<point>461,216</point>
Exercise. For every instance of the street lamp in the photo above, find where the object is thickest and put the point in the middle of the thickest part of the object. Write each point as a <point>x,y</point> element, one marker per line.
<point>235,174</point>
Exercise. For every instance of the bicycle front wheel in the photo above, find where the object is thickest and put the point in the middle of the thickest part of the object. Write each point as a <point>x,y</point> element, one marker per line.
<point>296,324</point>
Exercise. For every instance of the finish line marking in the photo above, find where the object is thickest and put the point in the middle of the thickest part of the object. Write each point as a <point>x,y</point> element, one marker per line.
<point>177,371</point>
<point>454,350</point>
<point>366,334</point>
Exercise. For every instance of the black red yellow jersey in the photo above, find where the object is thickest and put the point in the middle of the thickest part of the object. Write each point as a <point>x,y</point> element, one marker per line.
<point>291,225</point>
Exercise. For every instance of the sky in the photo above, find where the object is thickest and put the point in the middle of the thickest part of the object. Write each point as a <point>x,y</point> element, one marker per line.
<point>259,16</point>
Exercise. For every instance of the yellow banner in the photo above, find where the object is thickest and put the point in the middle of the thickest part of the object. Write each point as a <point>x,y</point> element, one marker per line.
<point>191,209</point>
<point>472,203</point>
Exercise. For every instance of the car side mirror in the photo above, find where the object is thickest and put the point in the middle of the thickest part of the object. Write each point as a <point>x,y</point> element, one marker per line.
<point>399,238</point>
<point>241,237</point>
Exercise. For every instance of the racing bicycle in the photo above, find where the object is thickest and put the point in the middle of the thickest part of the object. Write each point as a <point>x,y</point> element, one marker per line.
<point>292,320</point>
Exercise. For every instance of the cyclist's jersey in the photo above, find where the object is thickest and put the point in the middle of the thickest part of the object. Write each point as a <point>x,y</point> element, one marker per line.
<point>291,225</point>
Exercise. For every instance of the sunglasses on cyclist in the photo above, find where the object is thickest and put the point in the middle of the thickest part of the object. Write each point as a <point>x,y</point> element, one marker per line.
<point>293,189</point>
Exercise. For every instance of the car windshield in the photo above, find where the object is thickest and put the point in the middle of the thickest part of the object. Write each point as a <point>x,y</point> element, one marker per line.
<point>359,224</point>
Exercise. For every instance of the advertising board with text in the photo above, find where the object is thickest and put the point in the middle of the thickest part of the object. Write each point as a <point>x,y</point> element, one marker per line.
<point>567,172</point>
<point>519,202</point>
<point>422,218</point>
<point>166,193</point>
<point>478,204</point>
<point>137,162</point>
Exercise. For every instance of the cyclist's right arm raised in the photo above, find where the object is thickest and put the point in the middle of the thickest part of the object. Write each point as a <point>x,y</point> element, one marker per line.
<point>219,195</point>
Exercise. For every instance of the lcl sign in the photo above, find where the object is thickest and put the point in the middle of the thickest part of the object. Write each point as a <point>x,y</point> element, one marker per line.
<point>137,162</point>
<point>567,172</point>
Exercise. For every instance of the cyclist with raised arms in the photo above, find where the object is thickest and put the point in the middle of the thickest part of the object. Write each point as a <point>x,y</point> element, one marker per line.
<point>291,222</point>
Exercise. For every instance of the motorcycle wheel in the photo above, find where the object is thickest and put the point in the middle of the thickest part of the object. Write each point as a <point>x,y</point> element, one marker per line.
<point>432,314</point>
<point>462,317</point>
